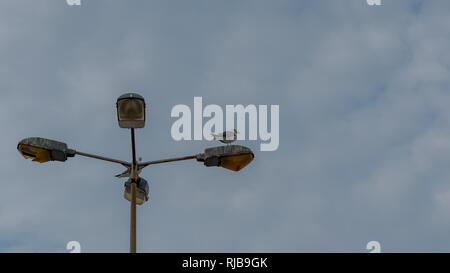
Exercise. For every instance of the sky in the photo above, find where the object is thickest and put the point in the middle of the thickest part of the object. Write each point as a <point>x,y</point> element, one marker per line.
<point>364,123</point>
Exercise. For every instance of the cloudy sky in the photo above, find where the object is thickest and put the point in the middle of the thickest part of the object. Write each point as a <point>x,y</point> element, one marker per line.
<point>364,97</point>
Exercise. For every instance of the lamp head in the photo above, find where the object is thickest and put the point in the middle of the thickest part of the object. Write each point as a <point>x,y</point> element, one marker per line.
<point>131,111</point>
<point>43,150</point>
<point>232,157</point>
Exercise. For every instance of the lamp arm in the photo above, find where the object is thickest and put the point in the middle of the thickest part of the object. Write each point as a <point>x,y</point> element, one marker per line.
<point>145,164</point>
<point>124,163</point>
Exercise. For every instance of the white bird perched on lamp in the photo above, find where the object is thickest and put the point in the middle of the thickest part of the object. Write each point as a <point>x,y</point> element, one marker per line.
<point>227,137</point>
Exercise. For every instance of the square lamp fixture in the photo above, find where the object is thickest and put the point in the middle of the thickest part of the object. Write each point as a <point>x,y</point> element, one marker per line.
<point>131,111</point>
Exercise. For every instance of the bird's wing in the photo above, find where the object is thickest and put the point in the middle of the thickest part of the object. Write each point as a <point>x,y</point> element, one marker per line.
<point>229,135</point>
<point>124,174</point>
<point>217,136</point>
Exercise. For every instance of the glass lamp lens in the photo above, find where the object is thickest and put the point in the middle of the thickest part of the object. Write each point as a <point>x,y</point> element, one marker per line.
<point>35,153</point>
<point>236,162</point>
<point>131,109</point>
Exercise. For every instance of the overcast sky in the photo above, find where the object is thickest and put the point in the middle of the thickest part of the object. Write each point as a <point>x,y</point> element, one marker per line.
<point>364,150</point>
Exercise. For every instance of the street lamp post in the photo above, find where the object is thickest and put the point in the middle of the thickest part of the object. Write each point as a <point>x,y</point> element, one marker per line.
<point>131,115</point>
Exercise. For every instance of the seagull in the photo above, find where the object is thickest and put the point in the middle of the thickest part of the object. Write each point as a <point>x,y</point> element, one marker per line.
<point>226,137</point>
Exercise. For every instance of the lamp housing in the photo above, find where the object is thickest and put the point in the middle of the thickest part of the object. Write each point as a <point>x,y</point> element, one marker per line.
<point>131,111</point>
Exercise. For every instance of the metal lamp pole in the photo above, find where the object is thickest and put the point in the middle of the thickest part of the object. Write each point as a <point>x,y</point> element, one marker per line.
<point>134,179</point>
<point>133,219</point>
